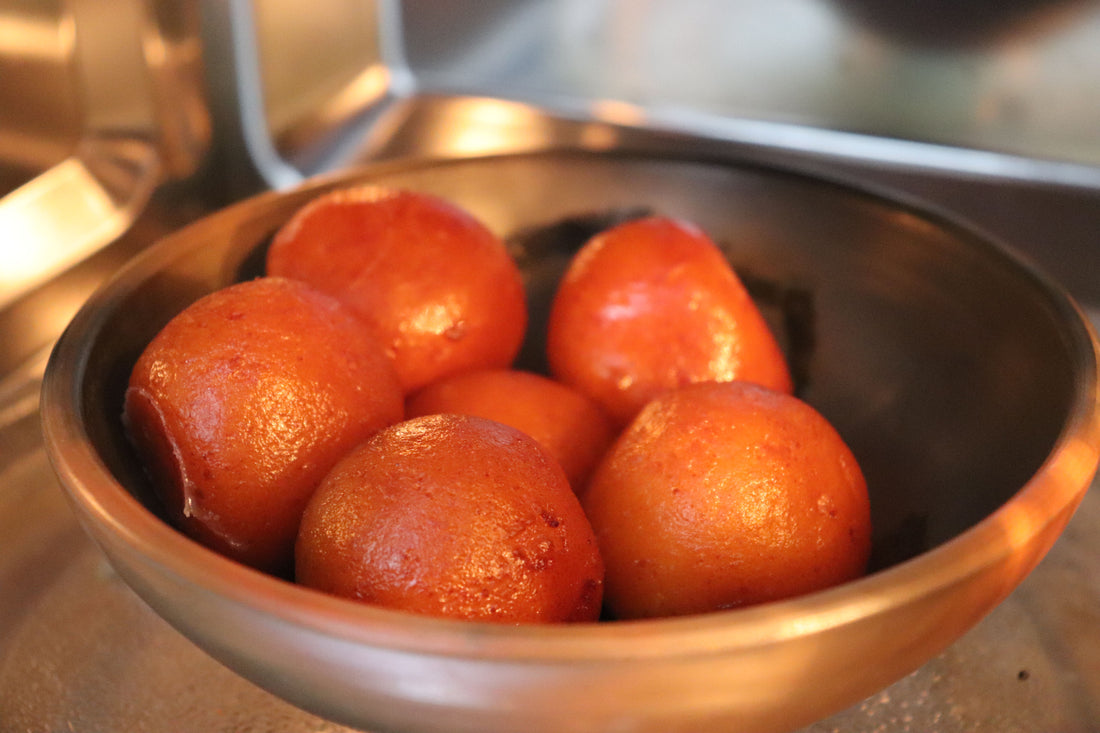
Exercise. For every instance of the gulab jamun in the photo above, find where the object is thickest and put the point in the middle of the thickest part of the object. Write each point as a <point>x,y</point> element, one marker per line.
<point>653,304</point>
<point>439,289</point>
<point>567,423</point>
<point>453,516</point>
<point>243,402</point>
<point>722,495</point>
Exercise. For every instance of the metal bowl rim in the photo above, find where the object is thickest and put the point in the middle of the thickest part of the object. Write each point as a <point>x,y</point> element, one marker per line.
<point>111,512</point>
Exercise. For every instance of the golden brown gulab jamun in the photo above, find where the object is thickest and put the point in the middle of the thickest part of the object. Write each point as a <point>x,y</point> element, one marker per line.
<point>437,286</point>
<point>243,402</point>
<point>567,423</point>
<point>722,495</point>
<point>653,304</point>
<point>453,516</point>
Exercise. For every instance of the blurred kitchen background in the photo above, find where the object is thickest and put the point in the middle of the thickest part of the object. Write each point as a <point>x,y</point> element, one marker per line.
<point>988,107</point>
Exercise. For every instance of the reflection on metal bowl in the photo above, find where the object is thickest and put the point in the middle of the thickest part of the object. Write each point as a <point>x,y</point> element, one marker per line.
<point>965,383</point>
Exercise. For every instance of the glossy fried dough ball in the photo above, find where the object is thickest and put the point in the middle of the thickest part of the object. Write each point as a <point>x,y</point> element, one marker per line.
<point>242,403</point>
<point>653,304</point>
<point>570,426</point>
<point>453,516</point>
<point>726,494</point>
<point>440,290</point>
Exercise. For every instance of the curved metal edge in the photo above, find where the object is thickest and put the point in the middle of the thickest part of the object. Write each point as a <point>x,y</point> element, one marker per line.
<point>231,42</point>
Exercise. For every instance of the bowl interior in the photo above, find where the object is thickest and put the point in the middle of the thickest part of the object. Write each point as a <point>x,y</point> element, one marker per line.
<point>943,362</point>
<point>964,382</point>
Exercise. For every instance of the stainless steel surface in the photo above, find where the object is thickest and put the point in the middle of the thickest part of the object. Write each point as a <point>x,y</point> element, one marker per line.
<point>991,117</point>
<point>966,386</point>
<point>1017,77</point>
<point>284,85</point>
<point>128,98</point>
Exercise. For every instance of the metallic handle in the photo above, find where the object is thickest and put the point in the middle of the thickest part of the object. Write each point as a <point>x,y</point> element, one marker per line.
<point>357,84</point>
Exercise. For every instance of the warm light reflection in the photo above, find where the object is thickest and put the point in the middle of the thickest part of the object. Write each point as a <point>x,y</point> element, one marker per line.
<point>365,89</point>
<point>485,125</point>
<point>27,37</point>
<point>1035,518</point>
<point>50,223</point>
<point>598,136</point>
<point>618,113</point>
<point>1071,471</point>
<point>435,318</point>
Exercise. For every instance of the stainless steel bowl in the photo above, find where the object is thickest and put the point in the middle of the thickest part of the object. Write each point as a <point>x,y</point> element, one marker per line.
<point>965,382</point>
